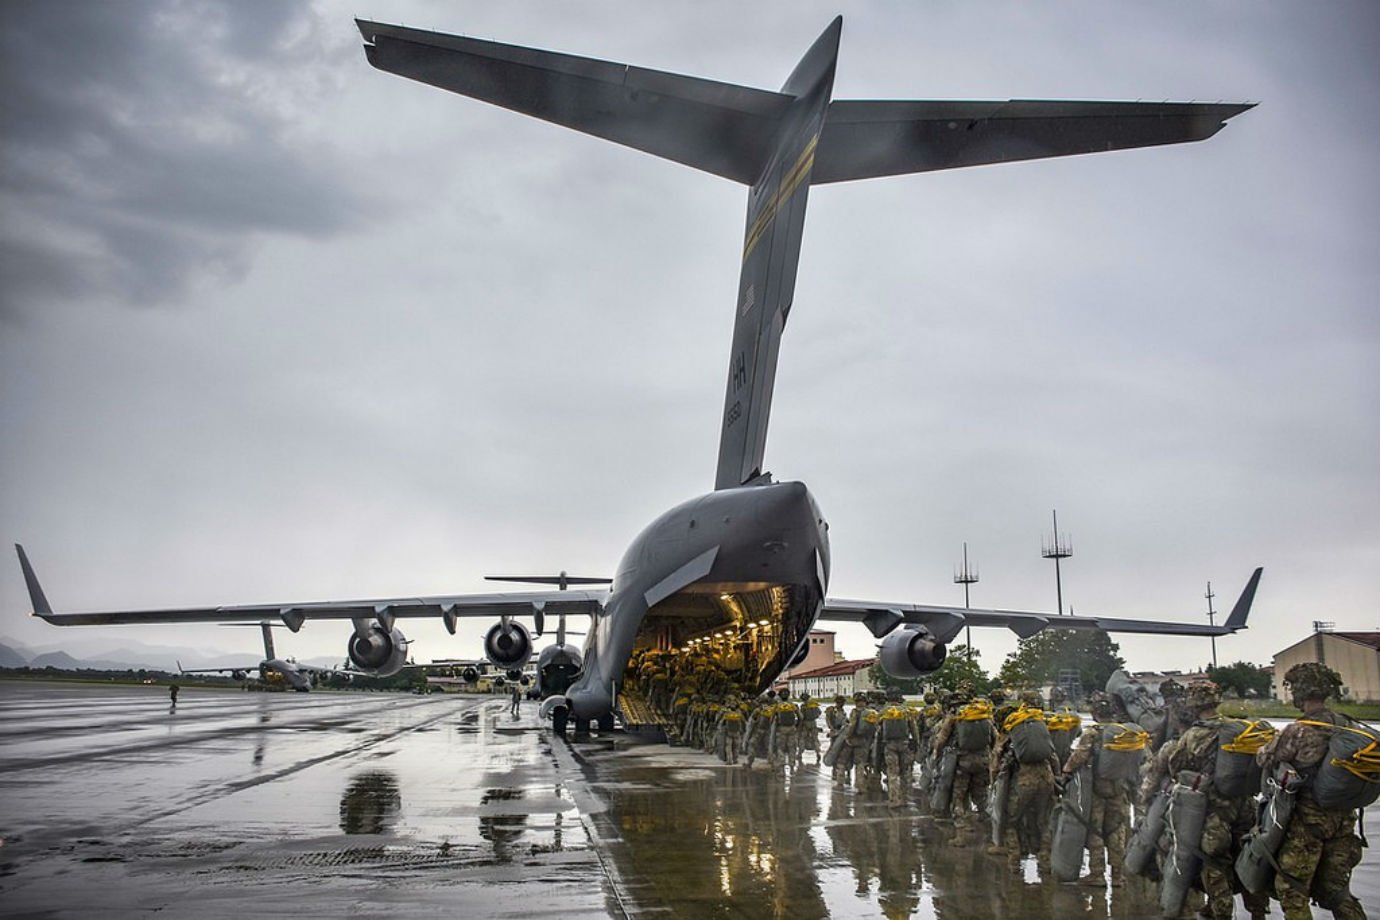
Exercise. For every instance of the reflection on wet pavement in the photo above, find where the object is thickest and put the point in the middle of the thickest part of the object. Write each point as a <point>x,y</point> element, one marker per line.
<point>373,804</point>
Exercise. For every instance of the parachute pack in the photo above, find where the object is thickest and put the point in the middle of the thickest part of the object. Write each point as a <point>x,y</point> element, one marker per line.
<point>974,729</point>
<point>1349,775</point>
<point>1120,749</point>
<point>1236,773</point>
<point>1063,728</point>
<point>1029,734</point>
<point>786,715</point>
<point>895,723</point>
<point>1138,702</point>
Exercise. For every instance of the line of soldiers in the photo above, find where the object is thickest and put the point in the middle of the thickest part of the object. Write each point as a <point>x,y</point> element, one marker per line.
<point>771,727</point>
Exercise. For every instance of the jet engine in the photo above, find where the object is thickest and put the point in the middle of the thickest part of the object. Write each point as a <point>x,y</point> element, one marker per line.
<point>508,644</point>
<point>469,675</point>
<point>377,651</point>
<point>911,651</point>
<point>239,675</point>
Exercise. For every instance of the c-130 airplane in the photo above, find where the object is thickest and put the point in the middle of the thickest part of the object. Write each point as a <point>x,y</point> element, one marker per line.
<point>753,554</point>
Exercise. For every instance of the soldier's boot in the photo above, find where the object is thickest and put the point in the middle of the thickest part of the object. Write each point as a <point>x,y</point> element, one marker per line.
<point>995,849</point>
<point>1097,868</point>
<point>1118,876</point>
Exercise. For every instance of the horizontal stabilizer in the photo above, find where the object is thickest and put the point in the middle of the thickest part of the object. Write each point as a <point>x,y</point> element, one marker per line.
<point>716,127</point>
<point>864,139</point>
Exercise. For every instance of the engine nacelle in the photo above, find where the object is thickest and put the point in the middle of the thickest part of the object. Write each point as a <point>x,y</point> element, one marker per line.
<point>469,675</point>
<point>380,652</point>
<point>239,675</point>
<point>911,651</point>
<point>508,646</point>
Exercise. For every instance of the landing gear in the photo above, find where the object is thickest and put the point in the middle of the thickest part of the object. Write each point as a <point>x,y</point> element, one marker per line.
<point>559,719</point>
<point>606,723</point>
<point>581,726</point>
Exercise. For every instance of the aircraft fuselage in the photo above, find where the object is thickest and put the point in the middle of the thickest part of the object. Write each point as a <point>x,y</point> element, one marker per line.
<point>739,574</point>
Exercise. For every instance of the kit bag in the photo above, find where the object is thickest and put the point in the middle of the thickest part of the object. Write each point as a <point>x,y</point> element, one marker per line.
<point>1349,775</point>
<point>1071,826</point>
<point>1256,863</point>
<point>1184,819</point>
<point>1140,850</point>
<point>1138,701</point>
<point>1236,774</point>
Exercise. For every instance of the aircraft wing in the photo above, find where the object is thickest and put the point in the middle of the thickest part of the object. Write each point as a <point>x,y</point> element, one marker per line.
<point>449,608</point>
<point>947,622</point>
<point>720,128</point>
<point>863,139</point>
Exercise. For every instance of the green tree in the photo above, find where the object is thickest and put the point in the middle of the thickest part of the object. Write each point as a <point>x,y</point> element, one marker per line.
<point>1040,659</point>
<point>1242,679</point>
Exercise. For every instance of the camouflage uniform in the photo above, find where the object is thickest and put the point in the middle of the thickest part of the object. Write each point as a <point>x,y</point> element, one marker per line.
<point>1320,847</point>
<point>808,732</point>
<point>859,732</point>
<point>972,778</point>
<point>1109,820</point>
<point>1228,819</point>
<point>786,718</point>
<point>1029,801</point>
<point>835,721</point>
<point>731,722</point>
<point>896,737</point>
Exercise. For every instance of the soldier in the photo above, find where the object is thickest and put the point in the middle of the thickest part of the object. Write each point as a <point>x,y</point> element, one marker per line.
<point>835,721</point>
<point>808,732</point>
<point>758,729</point>
<point>858,733</point>
<point>1177,715</point>
<point>784,750</point>
<point>1026,751</point>
<point>731,724</point>
<point>1228,819</point>
<point>1320,847</point>
<point>657,696</point>
<point>896,737</point>
<point>680,711</point>
<point>970,729</point>
<point>1114,751</point>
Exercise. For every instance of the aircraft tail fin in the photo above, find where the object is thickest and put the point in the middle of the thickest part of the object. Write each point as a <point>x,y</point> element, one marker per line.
<point>37,598</point>
<point>268,641</point>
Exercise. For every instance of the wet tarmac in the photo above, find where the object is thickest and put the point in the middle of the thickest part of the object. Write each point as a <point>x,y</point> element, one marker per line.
<point>346,804</point>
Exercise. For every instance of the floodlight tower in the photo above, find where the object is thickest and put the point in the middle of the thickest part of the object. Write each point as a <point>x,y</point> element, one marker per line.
<point>1057,550</point>
<point>1211,612</point>
<point>967,576</point>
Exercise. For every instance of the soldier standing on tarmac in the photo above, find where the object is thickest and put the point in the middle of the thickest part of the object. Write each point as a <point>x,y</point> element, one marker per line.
<point>1109,823</point>
<point>1320,847</point>
<point>808,731</point>
<point>731,721</point>
<point>835,721</point>
<point>858,734</point>
<point>1030,794</point>
<point>784,751</point>
<point>1228,819</point>
<point>897,737</point>
<point>970,728</point>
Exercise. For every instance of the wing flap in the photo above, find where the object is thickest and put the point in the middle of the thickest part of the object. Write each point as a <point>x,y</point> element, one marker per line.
<point>716,127</point>
<point>863,139</point>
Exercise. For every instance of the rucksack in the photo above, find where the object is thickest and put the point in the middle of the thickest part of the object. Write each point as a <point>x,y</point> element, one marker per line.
<point>1236,772</point>
<point>1030,740</point>
<point>1349,775</point>
<point>1119,752</point>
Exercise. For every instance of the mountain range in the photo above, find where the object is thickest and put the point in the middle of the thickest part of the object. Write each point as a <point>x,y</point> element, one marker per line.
<point>76,655</point>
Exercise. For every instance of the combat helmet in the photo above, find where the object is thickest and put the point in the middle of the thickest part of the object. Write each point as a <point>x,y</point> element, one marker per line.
<point>784,694</point>
<point>839,699</point>
<point>1101,707</point>
<point>1202,694</point>
<point>1312,680</point>
<point>1171,690</point>
<point>893,694</point>
<point>1031,698</point>
<point>1058,696</point>
<point>997,696</point>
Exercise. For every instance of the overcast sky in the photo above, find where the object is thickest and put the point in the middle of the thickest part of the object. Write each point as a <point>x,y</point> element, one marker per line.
<point>279,327</point>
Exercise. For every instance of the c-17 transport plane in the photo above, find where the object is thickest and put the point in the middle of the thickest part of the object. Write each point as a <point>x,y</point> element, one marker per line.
<point>272,669</point>
<point>747,562</point>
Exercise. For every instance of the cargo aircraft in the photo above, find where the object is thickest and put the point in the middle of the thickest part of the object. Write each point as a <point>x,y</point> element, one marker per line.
<point>272,669</point>
<point>749,559</point>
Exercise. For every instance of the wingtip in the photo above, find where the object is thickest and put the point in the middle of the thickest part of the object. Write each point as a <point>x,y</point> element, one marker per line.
<point>1237,620</point>
<point>39,601</point>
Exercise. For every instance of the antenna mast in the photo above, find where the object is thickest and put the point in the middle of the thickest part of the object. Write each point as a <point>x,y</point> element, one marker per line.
<point>967,576</point>
<point>1056,551</point>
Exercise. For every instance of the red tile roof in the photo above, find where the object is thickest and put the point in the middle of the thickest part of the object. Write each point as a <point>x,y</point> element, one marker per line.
<point>837,669</point>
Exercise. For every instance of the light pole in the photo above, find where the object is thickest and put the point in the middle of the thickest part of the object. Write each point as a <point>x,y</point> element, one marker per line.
<point>967,576</point>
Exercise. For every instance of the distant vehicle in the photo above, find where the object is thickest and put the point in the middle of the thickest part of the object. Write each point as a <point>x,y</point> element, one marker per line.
<point>271,670</point>
<point>742,571</point>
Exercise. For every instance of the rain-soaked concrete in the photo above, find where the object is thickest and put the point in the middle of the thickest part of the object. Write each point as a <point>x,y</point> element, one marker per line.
<point>370,804</point>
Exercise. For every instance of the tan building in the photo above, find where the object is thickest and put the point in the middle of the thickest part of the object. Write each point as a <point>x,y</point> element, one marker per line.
<point>841,677</point>
<point>821,653</point>
<point>1353,655</point>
